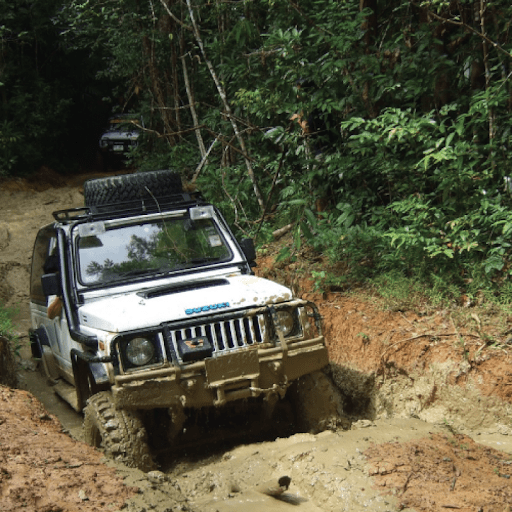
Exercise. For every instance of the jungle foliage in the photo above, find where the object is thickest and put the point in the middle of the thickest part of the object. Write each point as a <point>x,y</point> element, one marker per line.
<point>379,131</point>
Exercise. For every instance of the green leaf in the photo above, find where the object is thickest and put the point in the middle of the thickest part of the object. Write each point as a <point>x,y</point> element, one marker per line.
<point>307,232</point>
<point>283,255</point>
<point>311,218</point>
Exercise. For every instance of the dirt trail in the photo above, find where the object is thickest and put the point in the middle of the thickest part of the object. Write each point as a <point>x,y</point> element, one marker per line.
<point>417,397</point>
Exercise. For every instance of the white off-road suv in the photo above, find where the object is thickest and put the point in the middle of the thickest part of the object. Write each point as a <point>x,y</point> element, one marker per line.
<point>147,317</point>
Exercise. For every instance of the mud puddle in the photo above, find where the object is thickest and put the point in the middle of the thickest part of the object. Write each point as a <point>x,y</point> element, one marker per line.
<point>328,472</point>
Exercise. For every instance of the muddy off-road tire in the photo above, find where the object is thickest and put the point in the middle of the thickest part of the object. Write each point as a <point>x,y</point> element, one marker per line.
<point>130,187</point>
<point>120,433</point>
<point>317,402</point>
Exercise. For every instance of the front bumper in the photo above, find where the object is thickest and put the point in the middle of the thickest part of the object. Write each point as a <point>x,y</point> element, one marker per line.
<point>247,373</point>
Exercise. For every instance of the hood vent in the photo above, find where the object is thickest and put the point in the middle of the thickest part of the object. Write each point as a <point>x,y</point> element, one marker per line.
<point>178,288</point>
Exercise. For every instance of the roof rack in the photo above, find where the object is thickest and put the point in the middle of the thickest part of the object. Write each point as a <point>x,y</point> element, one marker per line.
<point>129,208</point>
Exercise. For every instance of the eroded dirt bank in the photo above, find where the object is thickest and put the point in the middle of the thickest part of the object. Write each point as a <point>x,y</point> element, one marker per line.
<point>419,390</point>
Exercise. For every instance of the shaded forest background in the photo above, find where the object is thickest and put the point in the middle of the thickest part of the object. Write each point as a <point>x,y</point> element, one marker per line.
<point>378,132</point>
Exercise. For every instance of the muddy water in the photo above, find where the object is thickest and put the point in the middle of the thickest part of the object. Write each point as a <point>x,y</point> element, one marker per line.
<point>328,471</point>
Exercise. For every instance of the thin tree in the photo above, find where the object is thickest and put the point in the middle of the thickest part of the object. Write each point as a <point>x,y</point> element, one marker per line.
<point>227,108</point>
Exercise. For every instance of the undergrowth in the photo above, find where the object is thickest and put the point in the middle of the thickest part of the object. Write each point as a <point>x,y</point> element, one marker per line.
<point>7,327</point>
<point>469,297</point>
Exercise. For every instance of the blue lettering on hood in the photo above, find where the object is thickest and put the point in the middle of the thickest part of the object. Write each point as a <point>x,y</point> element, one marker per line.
<point>203,309</point>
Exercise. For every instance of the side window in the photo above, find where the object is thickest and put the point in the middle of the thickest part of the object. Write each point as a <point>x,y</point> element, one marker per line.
<point>43,259</point>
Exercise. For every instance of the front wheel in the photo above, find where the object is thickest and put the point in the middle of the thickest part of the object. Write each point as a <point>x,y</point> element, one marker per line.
<point>120,433</point>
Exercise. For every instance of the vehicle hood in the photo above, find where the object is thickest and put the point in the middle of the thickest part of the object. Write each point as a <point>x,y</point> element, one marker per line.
<point>153,306</point>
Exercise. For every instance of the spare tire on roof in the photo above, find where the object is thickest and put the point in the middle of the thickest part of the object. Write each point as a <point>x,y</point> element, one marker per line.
<point>130,187</point>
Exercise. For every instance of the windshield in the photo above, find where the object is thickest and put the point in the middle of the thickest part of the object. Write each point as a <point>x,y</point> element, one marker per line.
<point>122,125</point>
<point>122,252</point>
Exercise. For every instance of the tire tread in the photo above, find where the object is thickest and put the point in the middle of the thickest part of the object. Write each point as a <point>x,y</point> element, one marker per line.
<point>120,433</point>
<point>130,187</point>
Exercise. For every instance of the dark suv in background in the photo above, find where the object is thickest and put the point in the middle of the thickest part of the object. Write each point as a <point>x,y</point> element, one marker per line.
<point>124,132</point>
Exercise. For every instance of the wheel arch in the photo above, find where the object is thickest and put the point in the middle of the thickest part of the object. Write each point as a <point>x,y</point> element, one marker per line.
<point>38,337</point>
<point>85,377</point>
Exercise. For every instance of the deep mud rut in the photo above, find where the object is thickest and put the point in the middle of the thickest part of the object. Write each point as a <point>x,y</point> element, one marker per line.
<point>328,471</point>
<point>416,402</point>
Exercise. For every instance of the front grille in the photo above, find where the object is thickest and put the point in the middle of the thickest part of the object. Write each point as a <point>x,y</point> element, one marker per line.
<point>224,335</point>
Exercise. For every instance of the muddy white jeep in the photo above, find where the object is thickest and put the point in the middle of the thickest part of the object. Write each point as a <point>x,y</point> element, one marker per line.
<point>147,316</point>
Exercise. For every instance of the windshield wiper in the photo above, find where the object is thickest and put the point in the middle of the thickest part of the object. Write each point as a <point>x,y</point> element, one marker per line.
<point>137,272</point>
<point>204,259</point>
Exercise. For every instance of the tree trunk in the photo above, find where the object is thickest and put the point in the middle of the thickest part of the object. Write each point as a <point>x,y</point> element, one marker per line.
<point>370,28</point>
<point>487,72</point>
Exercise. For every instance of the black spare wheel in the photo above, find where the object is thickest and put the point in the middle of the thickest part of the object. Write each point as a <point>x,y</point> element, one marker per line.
<point>130,187</point>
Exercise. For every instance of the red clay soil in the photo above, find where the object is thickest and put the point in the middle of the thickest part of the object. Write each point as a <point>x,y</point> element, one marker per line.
<point>440,472</point>
<point>42,469</point>
<point>362,334</point>
<point>444,471</point>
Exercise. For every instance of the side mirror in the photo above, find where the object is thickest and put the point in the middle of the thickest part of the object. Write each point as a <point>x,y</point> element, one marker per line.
<point>51,284</point>
<point>247,246</point>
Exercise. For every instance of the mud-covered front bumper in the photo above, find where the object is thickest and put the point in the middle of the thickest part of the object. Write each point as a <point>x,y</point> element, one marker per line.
<point>247,373</point>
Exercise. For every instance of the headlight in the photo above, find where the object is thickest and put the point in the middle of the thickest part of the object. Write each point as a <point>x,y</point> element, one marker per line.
<point>140,351</point>
<point>286,322</point>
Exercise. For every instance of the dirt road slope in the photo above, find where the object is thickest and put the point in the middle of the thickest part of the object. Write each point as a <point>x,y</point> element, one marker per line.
<point>419,390</point>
